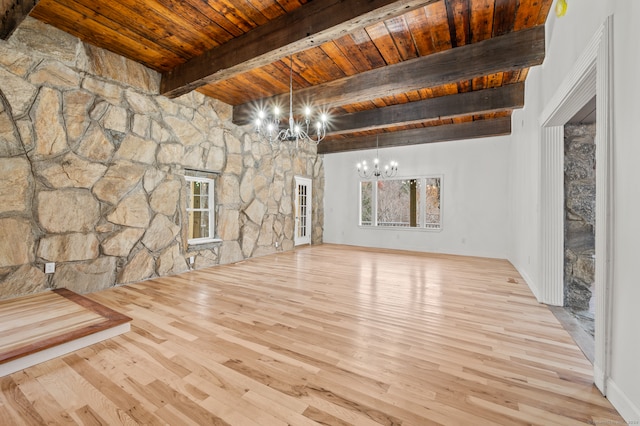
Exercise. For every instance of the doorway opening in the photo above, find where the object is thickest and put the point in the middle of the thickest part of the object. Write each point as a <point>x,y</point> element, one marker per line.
<point>302,231</point>
<point>590,77</point>
<point>579,224</point>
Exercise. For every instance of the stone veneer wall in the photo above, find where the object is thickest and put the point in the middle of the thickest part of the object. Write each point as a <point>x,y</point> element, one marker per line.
<point>92,165</point>
<point>580,197</point>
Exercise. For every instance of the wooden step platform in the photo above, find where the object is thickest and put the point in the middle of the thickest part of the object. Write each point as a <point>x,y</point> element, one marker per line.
<point>39,327</point>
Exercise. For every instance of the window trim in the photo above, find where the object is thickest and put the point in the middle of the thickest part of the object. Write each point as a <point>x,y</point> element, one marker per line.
<point>374,201</point>
<point>423,209</point>
<point>212,216</point>
<point>422,227</point>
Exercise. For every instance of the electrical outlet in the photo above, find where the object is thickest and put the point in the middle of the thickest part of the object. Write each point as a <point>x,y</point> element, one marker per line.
<point>276,244</point>
<point>192,260</point>
<point>49,268</point>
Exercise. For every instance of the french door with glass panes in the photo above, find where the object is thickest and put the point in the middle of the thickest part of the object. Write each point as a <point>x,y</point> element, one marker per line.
<point>302,211</point>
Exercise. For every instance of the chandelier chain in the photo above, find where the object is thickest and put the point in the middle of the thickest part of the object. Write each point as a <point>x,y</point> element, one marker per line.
<point>388,171</point>
<point>268,128</point>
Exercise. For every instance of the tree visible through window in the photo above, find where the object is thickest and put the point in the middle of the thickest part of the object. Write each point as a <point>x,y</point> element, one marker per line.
<point>432,205</point>
<point>397,202</point>
<point>366,204</point>
<point>412,202</point>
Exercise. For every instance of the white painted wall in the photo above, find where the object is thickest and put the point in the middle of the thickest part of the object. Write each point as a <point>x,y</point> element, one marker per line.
<point>474,198</point>
<point>511,165</point>
<point>566,40</point>
<point>524,185</point>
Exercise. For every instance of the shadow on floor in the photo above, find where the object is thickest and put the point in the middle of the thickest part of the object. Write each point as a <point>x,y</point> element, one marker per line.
<point>579,326</point>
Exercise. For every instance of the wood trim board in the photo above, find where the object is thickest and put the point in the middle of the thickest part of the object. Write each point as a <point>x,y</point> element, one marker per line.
<point>35,323</point>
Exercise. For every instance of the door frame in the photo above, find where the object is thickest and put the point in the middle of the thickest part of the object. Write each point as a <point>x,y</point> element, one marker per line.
<point>590,76</point>
<point>306,239</point>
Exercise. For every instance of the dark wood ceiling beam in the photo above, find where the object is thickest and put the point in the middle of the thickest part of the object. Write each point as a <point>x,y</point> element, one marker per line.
<point>450,132</point>
<point>310,25</point>
<point>513,51</point>
<point>479,102</point>
<point>12,13</point>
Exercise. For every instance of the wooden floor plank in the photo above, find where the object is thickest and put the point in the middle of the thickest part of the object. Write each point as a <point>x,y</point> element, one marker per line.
<point>30,324</point>
<point>322,335</point>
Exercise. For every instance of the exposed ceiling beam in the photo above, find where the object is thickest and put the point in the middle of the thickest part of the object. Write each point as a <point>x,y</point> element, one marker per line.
<point>469,130</point>
<point>12,13</point>
<point>512,51</point>
<point>310,25</point>
<point>479,102</point>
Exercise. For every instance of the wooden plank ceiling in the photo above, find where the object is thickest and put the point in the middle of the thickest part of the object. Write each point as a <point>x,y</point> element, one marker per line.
<point>409,71</point>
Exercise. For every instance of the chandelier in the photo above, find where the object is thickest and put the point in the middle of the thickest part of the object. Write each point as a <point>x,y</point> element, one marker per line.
<point>387,171</point>
<point>268,125</point>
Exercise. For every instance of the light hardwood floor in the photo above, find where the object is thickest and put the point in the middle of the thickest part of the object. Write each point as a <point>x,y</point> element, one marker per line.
<point>37,322</point>
<point>325,334</point>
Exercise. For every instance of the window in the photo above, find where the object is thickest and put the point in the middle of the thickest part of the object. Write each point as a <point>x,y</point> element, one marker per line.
<point>401,203</point>
<point>366,203</point>
<point>200,209</point>
<point>397,202</point>
<point>432,217</point>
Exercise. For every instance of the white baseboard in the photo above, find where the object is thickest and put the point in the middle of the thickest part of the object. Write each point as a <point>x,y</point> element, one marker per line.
<point>629,410</point>
<point>529,282</point>
<point>598,378</point>
<point>56,351</point>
